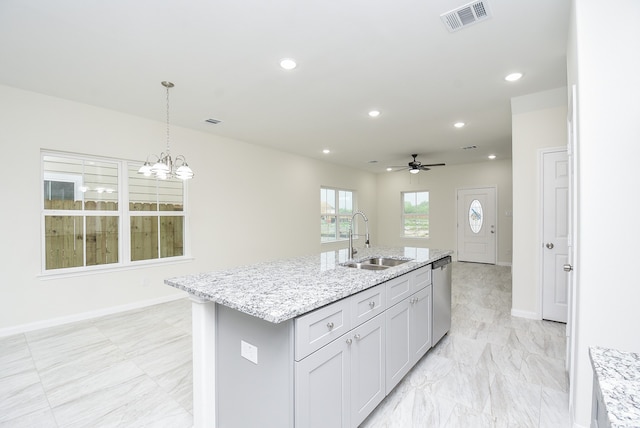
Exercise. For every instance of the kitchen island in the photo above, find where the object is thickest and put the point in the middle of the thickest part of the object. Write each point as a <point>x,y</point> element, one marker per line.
<point>257,328</point>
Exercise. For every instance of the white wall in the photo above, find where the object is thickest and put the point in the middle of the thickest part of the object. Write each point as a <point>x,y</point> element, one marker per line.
<point>538,121</point>
<point>603,61</point>
<point>267,209</point>
<point>442,183</point>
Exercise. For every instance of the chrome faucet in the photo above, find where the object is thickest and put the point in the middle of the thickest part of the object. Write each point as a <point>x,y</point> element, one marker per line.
<point>353,251</point>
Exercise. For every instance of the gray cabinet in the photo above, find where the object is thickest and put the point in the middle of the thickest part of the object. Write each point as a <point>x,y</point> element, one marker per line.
<point>340,384</point>
<point>367,369</point>
<point>323,387</point>
<point>398,321</point>
<point>408,325</point>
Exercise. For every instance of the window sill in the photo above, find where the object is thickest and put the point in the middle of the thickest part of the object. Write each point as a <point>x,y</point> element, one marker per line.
<point>93,270</point>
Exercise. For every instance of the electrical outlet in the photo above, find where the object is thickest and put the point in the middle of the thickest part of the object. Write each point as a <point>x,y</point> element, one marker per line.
<point>249,351</point>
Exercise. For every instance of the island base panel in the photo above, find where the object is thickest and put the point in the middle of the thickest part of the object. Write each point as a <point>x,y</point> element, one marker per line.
<point>249,394</point>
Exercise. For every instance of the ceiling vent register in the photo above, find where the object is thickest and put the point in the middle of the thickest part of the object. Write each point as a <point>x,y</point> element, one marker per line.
<point>466,15</point>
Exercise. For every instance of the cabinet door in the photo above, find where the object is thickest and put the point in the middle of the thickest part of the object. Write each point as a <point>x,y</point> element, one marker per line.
<point>367,368</point>
<point>397,321</point>
<point>322,391</point>
<point>420,323</point>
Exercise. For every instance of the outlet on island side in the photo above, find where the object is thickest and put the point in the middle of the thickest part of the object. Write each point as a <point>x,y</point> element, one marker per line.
<point>249,351</point>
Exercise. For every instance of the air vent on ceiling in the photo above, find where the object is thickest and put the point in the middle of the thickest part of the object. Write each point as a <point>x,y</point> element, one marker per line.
<point>466,15</point>
<point>213,121</point>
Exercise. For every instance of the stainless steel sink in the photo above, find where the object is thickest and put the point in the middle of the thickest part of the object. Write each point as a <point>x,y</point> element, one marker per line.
<point>382,261</point>
<point>375,263</point>
<point>366,266</point>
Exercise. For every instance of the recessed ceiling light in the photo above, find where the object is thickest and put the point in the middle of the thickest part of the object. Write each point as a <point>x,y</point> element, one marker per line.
<point>513,77</point>
<point>459,124</point>
<point>374,113</point>
<point>492,157</point>
<point>326,151</point>
<point>389,169</point>
<point>288,63</point>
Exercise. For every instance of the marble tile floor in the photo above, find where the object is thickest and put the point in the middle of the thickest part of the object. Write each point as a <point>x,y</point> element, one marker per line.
<point>133,369</point>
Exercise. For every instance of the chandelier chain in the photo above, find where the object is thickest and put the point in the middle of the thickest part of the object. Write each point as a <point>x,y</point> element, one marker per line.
<point>168,119</point>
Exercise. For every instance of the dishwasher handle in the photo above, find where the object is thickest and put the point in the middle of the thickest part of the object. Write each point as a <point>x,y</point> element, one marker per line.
<point>441,263</point>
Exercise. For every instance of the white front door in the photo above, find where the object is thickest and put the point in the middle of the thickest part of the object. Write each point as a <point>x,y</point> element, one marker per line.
<point>555,233</point>
<point>477,228</point>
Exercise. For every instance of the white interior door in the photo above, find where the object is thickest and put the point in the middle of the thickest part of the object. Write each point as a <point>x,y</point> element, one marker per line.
<point>555,234</point>
<point>477,228</point>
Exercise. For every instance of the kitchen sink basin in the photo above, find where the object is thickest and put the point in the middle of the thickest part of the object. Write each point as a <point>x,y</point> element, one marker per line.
<point>382,261</point>
<point>365,266</point>
<point>375,263</point>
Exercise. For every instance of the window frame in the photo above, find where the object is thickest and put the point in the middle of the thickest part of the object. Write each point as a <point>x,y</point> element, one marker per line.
<point>123,213</point>
<point>404,215</point>
<point>336,215</point>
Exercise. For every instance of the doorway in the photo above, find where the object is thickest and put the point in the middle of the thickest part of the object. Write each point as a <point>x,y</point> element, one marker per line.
<point>476,227</point>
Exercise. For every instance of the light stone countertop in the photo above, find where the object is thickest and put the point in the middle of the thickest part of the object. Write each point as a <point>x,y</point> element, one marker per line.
<point>618,374</point>
<point>284,289</point>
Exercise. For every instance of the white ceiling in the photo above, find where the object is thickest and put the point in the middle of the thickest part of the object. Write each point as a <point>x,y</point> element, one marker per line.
<point>353,56</point>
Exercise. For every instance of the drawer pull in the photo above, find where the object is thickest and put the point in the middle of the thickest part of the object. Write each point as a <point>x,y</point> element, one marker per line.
<point>349,341</point>
<point>356,337</point>
<point>330,325</point>
<point>372,304</point>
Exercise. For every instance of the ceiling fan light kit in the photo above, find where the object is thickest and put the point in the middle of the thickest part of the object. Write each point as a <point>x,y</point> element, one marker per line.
<point>164,166</point>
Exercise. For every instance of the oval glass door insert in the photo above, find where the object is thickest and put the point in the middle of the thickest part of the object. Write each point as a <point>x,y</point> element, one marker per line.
<point>475,216</point>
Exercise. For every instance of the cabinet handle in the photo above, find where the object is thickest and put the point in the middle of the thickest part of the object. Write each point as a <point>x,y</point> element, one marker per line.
<point>330,325</point>
<point>349,341</point>
<point>356,337</point>
<point>372,304</point>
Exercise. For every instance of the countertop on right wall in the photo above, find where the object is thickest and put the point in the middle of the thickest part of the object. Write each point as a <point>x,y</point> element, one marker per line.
<point>616,388</point>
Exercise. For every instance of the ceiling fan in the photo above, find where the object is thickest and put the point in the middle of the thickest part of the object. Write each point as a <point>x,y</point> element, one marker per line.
<point>416,166</point>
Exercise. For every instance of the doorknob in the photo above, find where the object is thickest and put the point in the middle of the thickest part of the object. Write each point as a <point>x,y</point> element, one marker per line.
<point>567,267</point>
<point>549,245</point>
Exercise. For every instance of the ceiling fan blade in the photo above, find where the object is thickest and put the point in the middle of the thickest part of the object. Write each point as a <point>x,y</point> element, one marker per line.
<point>435,164</point>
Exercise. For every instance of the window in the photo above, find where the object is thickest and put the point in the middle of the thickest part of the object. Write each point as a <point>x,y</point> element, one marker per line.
<point>415,214</point>
<point>336,208</point>
<point>99,212</point>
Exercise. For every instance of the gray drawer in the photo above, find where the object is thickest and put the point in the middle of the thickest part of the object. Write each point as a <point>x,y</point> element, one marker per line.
<point>421,278</point>
<point>367,304</point>
<point>317,328</point>
<point>398,289</point>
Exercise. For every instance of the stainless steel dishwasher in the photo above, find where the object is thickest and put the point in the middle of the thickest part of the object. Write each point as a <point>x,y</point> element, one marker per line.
<point>441,313</point>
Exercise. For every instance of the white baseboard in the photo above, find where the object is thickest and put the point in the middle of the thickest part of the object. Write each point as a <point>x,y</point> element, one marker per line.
<point>53,322</point>
<point>525,314</point>
<point>507,264</point>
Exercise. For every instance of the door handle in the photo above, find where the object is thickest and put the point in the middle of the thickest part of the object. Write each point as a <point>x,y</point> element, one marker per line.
<point>549,245</point>
<point>567,267</point>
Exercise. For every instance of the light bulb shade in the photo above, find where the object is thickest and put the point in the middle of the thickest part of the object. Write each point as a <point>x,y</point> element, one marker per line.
<point>160,167</point>
<point>414,170</point>
<point>184,172</point>
<point>145,169</point>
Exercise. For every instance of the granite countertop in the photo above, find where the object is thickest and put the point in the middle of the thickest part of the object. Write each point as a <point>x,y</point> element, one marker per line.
<point>618,374</point>
<point>281,290</point>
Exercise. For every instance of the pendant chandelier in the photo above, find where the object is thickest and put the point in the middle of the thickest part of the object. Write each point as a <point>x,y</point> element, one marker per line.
<point>164,166</point>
